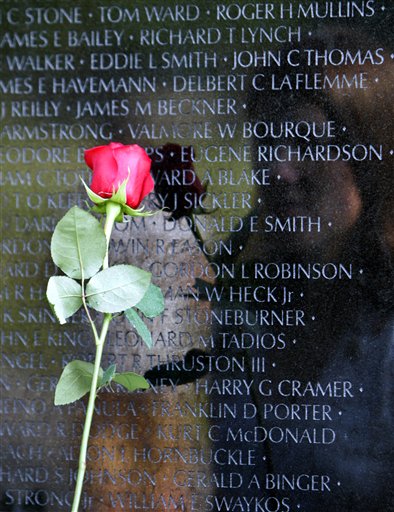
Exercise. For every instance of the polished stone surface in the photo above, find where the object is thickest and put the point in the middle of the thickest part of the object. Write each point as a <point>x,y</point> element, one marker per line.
<point>269,125</point>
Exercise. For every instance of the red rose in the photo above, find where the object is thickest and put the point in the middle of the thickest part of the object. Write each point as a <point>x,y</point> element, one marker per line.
<point>113,164</point>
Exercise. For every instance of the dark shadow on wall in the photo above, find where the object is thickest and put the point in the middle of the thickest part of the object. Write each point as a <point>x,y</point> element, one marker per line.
<point>347,332</point>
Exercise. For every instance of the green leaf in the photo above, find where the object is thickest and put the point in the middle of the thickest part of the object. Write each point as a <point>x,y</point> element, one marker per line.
<point>131,381</point>
<point>137,213</point>
<point>117,288</point>
<point>74,382</point>
<point>65,296</point>
<point>95,198</point>
<point>139,326</point>
<point>118,197</point>
<point>152,303</point>
<point>78,244</point>
<point>103,210</point>
<point>108,375</point>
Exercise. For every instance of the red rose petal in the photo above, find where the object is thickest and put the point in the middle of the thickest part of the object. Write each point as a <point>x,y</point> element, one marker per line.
<point>134,159</point>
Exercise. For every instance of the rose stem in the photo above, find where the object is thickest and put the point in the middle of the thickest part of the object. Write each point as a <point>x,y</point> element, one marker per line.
<point>113,210</point>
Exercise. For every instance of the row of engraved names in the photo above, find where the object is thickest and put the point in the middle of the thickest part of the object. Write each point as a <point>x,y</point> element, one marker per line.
<point>19,16</point>
<point>198,59</point>
<point>172,500</point>
<point>212,153</point>
<point>135,478</point>
<point>343,79</point>
<point>279,403</point>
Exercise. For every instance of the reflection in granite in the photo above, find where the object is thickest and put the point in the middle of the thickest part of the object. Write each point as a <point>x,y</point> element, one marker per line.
<point>327,410</point>
<point>176,184</point>
<point>271,368</point>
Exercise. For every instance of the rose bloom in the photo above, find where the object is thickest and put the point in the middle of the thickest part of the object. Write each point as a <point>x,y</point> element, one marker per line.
<point>176,181</point>
<point>113,164</point>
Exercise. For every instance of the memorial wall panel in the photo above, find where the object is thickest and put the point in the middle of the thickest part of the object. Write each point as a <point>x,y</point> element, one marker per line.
<point>269,126</point>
